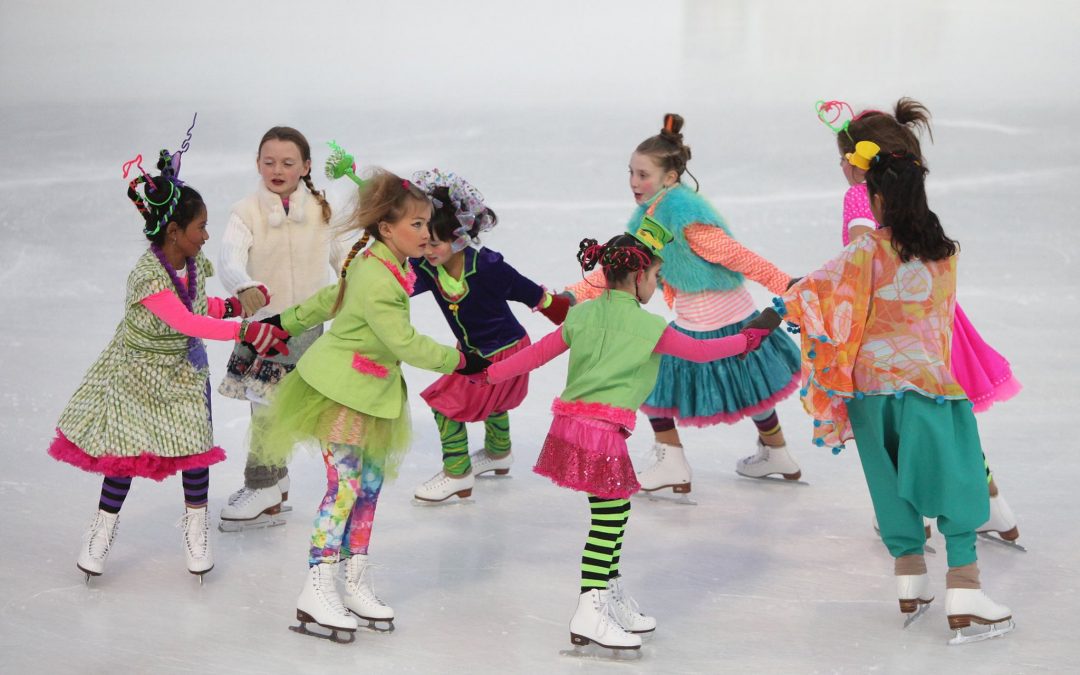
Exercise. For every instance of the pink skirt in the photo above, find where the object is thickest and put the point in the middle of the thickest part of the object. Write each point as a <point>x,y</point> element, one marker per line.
<point>984,374</point>
<point>465,400</point>
<point>590,455</point>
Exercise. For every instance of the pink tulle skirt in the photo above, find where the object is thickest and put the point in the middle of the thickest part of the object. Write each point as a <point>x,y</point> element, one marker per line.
<point>467,400</point>
<point>146,465</point>
<point>590,455</point>
<point>984,374</point>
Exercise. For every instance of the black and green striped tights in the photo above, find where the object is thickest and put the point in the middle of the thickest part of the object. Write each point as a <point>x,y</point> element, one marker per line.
<point>455,441</point>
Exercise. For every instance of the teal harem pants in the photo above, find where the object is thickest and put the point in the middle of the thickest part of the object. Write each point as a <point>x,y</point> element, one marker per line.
<point>922,458</point>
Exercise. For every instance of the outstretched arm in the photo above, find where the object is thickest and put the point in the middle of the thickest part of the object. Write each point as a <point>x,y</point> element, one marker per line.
<point>681,345</point>
<point>166,306</point>
<point>714,245</point>
<point>530,358</point>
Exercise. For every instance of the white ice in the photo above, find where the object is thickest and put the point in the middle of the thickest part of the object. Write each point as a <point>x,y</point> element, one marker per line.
<point>540,106</point>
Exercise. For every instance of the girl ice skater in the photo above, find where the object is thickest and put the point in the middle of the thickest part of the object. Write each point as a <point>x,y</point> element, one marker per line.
<point>473,288</point>
<point>876,326</point>
<point>615,351</point>
<point>143,409</point>
<point>703,282</point>
<point>278,240</point>
<point>347,392</point>
<point>983,373</point>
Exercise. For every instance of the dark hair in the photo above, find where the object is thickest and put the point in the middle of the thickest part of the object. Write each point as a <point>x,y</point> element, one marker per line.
<point>667,148</point>
<point>916,230</point>
<point>293,136</point>
<point>164,200</point>
<point>620,257</point>
<point>893,133</point>
<point>444,218</point>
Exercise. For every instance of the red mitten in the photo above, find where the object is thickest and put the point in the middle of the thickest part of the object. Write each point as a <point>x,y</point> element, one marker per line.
<point>265,339</point>
<point>754,338</point>
<point>556,311</point>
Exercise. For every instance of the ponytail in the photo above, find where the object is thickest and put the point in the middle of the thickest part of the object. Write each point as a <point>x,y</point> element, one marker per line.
<point>357,247</point>
<point>319,197</point>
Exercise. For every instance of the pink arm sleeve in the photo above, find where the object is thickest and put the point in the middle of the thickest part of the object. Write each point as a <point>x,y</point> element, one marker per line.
<point>215,308</point>
<point>530,358</point>
<point>589,287</point>
<point>674,343</point>
<point>857,211</point>
<point>714,245</point>
<point>167,307</point>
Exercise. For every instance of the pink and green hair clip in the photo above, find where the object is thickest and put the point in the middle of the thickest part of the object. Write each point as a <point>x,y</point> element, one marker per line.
<point>340,164</point>
<point>154,194</point>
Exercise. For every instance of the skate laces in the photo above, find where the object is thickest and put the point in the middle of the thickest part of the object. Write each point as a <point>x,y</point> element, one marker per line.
<point>606,615</point>
<point>362,582</point>
<point>199,539</point>
<point>241,496</point>
<point>623,601</point>
<point>324,589</point>
<point>101,537</point>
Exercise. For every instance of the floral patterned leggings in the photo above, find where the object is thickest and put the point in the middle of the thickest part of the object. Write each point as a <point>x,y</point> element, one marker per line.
<point>343,523</point>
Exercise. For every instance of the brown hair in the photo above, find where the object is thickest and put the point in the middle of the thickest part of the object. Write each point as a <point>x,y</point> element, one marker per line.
<point>893,133</point>
<point>384,197</point>
<point>667,148</point>
<point>291,135</point>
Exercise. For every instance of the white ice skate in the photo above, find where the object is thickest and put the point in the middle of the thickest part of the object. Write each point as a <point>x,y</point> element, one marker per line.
<point>913,590</point>
<point>360,598</point>
<point>625,609</point>
<point>769,461</point>
<point>483,463</point>
<point>196,525</point>
<point>1002,523</point>
<point>965,606</point>
<point>443,486</point>
<point>593,622</point>
<point>670,470</point>
<point>249,509</point>
<point>96,544</point>
<point>319,603</point>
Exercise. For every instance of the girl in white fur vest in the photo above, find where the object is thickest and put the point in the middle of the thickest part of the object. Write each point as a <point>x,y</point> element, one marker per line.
<point>277,240</point>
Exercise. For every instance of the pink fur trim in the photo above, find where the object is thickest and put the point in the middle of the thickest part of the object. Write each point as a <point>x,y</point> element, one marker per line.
<point>624,417</point>
<point>363,364</point>
<point>146,465</point>
<point>408,282</point>
<point>725,417</point>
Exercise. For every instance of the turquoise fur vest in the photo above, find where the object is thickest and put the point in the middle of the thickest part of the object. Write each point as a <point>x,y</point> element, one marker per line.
<point>680,207</point>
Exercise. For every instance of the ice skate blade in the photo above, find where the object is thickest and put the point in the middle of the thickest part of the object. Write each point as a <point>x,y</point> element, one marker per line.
<point>375,625</point>
<point>259,523</point>
<point>780,479</point>
<point>587,649</point>
<point>332,637</point>
<point>465,498</point>
<point>988,631</point>
<point>987,536</point>
<point>492,474</point>
<point>670,498</point>
<point>88,573</point>
<point>914,615</point>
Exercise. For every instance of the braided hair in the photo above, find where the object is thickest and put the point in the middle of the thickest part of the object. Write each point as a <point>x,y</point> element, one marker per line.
<point>164,199</point>
<point>620,257</point>
<point>667,148</point>
<point>899,178</point>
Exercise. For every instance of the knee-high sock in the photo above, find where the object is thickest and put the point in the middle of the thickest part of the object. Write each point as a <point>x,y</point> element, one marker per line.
<point>342,486</point>
<point>608,524</point>
<point>660,424</point>
<point>614,571</point>
<point>767,423</point>
<point>196,486</point>
<point>114,490</point>
<point>358,529</point>
<point>455,445</point>
<point>497,433</point>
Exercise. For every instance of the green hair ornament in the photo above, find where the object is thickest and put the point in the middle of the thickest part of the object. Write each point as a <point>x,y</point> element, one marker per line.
<point>340,163</point>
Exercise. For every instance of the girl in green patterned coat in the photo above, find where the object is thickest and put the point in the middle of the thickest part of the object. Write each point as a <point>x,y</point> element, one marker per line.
<point>143,409</point>
<point>347,393</point>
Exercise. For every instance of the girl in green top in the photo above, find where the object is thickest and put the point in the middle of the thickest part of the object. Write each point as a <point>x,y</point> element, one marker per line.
<point>348,393</point>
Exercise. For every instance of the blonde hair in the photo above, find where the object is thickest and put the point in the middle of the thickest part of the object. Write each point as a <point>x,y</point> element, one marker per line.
<point>384,197</point>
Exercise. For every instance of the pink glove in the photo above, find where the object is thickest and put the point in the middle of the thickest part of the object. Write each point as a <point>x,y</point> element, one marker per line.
<point>265,339</point>
<point>754,338</point>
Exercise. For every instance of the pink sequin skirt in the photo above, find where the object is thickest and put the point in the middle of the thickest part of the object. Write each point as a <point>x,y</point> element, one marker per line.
<point>590,455</point>
<point>466,399</point>
<point>984,374</point>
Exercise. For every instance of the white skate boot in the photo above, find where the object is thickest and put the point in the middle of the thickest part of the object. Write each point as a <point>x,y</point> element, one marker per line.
<point>913,590</point>
<point>360,598</point>
<point>319,603</point>
<point>96,544</point>
<point>767,461</point>
<point>443,486</point>
<point>965,606</point>
<point>283,486</point>
<point>670,470</point>
<point>593,622</point>
<point>483,463</point>
<point>1002,523</point>
<point>249,509</point>
<point>196,524</point>
<point>626,611</point>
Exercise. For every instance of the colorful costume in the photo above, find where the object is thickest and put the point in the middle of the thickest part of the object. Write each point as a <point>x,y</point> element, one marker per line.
<point>984,374</point>
<point>876,336</point>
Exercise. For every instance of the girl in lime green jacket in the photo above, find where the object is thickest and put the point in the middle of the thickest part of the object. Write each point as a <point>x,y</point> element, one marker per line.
<point>348,393</point>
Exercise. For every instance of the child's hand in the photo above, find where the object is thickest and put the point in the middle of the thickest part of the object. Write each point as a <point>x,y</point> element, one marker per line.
<point>557,308</point>
<point>768,319</point>
<point>754,338</point>
<point>266,339</point>
<point>474,363</point>
<point>233,308</point>
<point>253,299</point>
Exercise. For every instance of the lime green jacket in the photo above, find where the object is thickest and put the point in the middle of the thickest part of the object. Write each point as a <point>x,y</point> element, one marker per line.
<point>358,361</point>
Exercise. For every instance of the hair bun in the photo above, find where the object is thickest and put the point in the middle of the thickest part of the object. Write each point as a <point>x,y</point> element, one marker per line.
<point>673,124</point>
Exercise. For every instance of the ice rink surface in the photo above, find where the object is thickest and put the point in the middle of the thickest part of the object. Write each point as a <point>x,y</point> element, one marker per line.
<point>540,107</point>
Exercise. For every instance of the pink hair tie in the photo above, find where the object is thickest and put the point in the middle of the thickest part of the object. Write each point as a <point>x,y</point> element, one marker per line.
<point>405,183</point>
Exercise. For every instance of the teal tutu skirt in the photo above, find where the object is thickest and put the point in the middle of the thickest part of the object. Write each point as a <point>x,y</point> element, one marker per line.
<point>704,394</point>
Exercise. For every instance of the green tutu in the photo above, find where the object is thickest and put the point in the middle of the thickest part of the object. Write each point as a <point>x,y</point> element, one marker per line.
<point>299,413</point>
